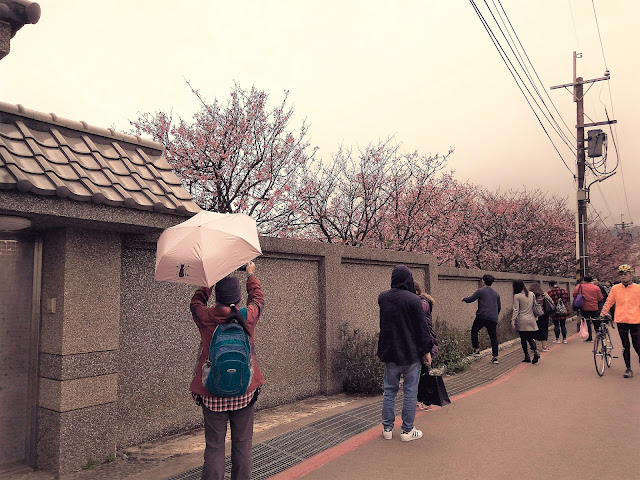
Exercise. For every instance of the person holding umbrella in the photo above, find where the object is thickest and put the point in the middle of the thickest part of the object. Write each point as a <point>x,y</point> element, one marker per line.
<point>239,410</point>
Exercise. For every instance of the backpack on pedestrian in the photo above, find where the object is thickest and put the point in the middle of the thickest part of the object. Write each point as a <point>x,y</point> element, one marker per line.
<point>228,369</point>
<point>561,308</point>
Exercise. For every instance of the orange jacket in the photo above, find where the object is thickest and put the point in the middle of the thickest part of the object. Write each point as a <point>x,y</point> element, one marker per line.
<point>627,302</point>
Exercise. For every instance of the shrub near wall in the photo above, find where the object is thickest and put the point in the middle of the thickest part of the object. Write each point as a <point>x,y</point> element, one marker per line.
<point>357,362</point>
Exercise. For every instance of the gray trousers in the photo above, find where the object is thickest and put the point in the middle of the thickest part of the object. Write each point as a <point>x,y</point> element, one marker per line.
<point>215,431</point>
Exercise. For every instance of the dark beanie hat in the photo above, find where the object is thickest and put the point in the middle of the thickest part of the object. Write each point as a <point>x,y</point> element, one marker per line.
<point>228,291</point>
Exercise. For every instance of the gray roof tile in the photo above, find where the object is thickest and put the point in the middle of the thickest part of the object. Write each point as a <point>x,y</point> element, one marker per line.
<point>48,155</point>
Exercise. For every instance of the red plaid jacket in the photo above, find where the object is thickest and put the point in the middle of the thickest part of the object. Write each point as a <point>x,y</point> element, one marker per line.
<point>557,293</point>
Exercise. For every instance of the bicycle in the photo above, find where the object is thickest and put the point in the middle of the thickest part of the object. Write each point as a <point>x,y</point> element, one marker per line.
<point>603,346</point>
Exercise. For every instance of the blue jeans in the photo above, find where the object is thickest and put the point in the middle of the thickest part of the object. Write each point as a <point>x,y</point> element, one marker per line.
<point>411,375</point>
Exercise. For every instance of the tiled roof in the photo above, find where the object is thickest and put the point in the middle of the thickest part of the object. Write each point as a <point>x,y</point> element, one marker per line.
<point>47,155</point>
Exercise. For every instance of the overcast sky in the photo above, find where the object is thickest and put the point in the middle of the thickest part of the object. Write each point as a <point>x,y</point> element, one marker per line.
<point>425,71</point>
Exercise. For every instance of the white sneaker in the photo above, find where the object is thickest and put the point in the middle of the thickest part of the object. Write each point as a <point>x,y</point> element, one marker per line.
<point>387,434</point>
<point>414,434</point>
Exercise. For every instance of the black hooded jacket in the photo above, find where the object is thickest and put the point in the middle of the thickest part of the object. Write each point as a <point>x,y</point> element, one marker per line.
<point>404,335</point>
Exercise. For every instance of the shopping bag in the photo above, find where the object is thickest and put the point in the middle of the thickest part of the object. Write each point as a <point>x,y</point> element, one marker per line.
<point>431,389</point>
<point>584,330</point>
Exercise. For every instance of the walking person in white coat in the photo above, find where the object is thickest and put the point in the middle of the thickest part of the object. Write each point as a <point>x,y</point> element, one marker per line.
<point>523,320</point>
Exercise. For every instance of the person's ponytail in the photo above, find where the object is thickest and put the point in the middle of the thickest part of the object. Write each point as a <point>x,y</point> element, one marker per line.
<point>236,317</point>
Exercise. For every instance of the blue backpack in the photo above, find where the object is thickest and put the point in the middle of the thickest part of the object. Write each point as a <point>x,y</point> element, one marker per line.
<point>228,369</point>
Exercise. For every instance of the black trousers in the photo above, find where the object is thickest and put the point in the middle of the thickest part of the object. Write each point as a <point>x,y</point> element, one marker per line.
<point>560,326</point>
<point>491,327</point>
<point>624,329</point>
<point>589,317</point>
<point>528,337</point>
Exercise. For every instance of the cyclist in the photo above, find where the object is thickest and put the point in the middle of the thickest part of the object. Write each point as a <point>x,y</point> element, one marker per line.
<point>626,298</point>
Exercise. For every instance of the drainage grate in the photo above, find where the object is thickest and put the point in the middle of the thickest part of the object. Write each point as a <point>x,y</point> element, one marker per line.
<point>193,474</point>
<point>284,451</point>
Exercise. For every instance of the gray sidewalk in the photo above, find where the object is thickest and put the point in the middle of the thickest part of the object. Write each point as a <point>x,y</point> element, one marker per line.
<point>554,420</point>
<point>284,436</point>
<point>291,448</point>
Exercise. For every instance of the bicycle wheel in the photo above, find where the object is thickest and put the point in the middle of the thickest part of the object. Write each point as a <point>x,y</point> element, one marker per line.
<point>599,355</point>
<point>608,347</point>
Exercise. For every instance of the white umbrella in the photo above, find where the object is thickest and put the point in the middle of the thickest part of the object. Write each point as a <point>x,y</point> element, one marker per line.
<point>206,248</point>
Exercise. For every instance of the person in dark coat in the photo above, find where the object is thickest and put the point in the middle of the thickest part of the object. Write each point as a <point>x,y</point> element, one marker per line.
<point>403,345</point>
<point>489,307</point>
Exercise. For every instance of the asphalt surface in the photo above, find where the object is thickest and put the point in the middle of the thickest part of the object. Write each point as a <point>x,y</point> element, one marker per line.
<point>554,420</point>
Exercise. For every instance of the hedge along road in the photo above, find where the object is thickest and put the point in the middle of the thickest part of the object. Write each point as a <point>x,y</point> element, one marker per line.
<point>556,419</point>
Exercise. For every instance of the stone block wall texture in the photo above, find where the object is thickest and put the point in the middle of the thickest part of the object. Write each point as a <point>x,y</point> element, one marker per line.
<point>5,39</point>
<point>78,387</point>
<point>310,290</point>
<point>16,260</point>
<point>130,344</point>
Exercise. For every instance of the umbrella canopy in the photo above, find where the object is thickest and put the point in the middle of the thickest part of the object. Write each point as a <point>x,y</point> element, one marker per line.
<point>206,248</point>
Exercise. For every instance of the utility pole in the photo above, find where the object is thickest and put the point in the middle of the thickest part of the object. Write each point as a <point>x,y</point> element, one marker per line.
<point>582,261</point>
<point>624,235</point>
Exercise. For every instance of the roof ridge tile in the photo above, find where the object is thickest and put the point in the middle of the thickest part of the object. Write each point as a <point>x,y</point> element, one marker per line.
<point>81,126</point>
<point>48,155</point>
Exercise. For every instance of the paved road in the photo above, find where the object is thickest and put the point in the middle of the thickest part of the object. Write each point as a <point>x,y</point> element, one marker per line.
<point>553,420</point>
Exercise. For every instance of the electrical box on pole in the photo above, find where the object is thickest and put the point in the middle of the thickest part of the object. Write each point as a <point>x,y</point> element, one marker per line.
<point>596,139</point>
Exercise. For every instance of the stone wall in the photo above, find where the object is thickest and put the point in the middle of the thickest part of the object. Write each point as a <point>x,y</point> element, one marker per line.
<point>16,260</point>
<point>78,384</point>
<point>310,290</point>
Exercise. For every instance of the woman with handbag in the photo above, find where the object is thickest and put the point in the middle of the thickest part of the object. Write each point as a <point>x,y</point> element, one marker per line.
<point>523,320</point>
<point>560,299</point>
<point>543,320</point>
<point>427,305</point>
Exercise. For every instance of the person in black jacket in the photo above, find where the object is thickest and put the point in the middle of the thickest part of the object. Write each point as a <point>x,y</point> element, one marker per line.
<point>403,345</point>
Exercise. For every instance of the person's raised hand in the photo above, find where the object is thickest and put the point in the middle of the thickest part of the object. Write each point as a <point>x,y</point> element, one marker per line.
<point>251,267</point>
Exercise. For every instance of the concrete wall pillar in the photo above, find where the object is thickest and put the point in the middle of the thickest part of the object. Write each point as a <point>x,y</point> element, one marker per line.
<point>78,382</point>
<point>5,39</point>
<point>330,315</point>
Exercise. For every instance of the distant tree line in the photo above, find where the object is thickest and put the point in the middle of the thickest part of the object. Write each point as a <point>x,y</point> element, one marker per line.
<point>242,156</point>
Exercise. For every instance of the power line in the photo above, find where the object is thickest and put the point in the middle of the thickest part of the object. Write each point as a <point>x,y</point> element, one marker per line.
<point>534,71</point>
<point>513,72</point>
<point>573,20</point>
<point>599,36</point>
<point>557,128</point>
<point>613,130</point>
<point>599,217</point>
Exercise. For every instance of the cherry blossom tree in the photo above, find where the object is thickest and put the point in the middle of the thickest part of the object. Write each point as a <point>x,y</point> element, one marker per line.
<point>242,156</point>
<point>607,249</point>
<point>362,198</point>
<point>522,231</point>
<point>239,156</point>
